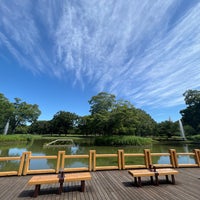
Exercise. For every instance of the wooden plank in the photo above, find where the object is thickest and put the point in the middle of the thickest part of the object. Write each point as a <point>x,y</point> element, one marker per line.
<point>77,176</point>
<point>44,179</point>
<point>141,173</point>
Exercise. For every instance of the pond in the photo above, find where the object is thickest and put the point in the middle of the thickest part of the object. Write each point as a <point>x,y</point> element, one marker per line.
<point>37,148</point>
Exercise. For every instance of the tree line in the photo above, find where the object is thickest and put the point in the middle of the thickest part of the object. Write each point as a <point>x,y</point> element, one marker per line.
<point>108,116</point>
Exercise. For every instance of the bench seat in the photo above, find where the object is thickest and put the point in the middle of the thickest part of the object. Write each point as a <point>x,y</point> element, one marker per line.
<point>137,174</point>
<point>57,178</point>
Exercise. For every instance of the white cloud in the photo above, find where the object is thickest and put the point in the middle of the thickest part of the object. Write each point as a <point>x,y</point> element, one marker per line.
<point>148,53</point>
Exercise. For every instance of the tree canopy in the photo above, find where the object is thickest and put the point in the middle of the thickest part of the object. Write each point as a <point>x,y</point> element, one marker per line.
<point>191,115</point>
<point>18,113</point>
<point>109,116</point>
<point>63,121</point>
<point>6,110</point>
<point>117,117</point>
<point>102,102</point>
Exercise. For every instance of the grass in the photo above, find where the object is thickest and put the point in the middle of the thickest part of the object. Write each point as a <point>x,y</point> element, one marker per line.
<point>17,138</point>
<point>99,140</point>
<point>194,138</point>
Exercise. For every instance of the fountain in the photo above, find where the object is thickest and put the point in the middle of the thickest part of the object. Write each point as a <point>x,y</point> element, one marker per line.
<point>181,129</point>
<point>6,127</point>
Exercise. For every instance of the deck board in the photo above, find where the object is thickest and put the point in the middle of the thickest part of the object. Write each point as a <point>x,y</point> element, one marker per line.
<point>108,185</point>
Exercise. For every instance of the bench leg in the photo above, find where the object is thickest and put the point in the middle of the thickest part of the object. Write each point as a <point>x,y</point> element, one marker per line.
<point>135,180</point>
<point>167,179</point>
<point>139,182</point>
<point>82,186</point>
<point>156,179</point>
<point>151,178</point>
<point>60,188</point>
<point>36,191</point>
<point>173,179</point>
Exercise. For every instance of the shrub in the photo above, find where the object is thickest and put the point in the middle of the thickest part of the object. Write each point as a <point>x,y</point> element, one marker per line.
<point>122,140</point>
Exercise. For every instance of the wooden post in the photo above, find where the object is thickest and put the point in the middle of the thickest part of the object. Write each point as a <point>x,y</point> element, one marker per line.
<point>94,160</point>
<point>173,158</point>
<point>63,160</point>
<point>27,162</point>
<point>197,156</point>
<point>59,165</point>
<point>21,165</point>
<point>91,159</point>
<point>147,158</point>
<point>122,159</point>
<point>119,159</point>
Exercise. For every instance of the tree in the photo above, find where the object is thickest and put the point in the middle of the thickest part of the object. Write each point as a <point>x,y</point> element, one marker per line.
<point>40,127</point>
<point>191,115</point>
<point>63,122</point>
<point>102,102</point>
<point>123,119</point>
<point>146,126</point>
<point>6,110</point>
<point>167,128</point>
<point>23,113</point>
<point>85,125</point>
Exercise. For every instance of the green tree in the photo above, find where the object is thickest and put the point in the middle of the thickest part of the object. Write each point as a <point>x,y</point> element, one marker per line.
<point>23,113</point>
<point>117,117</point>
<point>63,122</point>
<point>102,102</point>
<point>40,127</point>
<point>191,115</point>
<point>126,119</point>
<point>85,125</point>
<point>146,126</point>
<point>6,110</point>
<point>167,128</point>
<point>123,119</point>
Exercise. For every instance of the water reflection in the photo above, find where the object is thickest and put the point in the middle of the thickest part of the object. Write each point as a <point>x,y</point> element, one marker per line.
<point>164,160</point>
<point>16,151</point>
<point>74,149</point>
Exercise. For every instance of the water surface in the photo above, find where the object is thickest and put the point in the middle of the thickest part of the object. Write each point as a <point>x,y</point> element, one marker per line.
<point>37,148</point>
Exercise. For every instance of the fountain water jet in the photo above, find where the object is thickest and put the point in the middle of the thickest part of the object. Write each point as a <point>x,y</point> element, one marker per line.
<point>182,130</point>
<point>6,127</point>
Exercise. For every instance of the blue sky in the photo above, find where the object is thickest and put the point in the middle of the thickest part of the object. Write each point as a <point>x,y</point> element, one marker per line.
<point>58,54</point>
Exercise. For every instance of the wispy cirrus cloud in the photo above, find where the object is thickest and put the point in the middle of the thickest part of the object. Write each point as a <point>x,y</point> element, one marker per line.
<point>148,53</point>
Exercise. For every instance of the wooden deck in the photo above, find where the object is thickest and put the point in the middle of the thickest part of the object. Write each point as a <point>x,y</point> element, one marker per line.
<point>108,185</point>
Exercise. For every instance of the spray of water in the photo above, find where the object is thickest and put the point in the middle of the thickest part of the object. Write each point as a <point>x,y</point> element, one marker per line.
<point>181,129</point>
<point>6,127</point>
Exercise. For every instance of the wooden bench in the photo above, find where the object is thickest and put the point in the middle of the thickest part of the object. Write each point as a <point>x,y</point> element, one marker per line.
<point>137,174</point>
<point>166,172</point>
<point>58,178</point>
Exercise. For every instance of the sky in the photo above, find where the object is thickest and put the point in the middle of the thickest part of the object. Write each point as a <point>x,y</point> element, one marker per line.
<point>59,54</point>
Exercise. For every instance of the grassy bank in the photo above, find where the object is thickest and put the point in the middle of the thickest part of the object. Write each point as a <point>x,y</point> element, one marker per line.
<point>83,140</point>
<point>17,138</point>
<point>122,140</point>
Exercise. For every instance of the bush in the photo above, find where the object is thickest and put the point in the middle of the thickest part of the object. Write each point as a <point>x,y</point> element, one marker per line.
<point>195,138</point>
<point>122,140</point>
<point>15,138</point>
